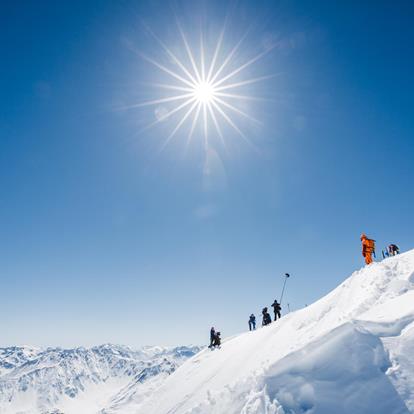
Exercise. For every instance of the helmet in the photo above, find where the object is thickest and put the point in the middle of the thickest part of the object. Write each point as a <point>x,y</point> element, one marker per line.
<point>363,236</point>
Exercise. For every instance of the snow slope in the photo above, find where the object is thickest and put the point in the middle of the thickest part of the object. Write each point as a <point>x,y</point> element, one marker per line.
<point>81,380</point>
<point>350,352</point>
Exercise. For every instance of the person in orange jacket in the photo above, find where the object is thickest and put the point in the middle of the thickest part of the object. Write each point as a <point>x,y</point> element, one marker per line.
<point>368,248</point>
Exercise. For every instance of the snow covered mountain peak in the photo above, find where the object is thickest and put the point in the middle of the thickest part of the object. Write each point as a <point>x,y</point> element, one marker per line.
<point>351,351</point>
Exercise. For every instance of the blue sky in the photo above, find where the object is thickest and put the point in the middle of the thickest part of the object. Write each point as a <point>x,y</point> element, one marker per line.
<point>105,238</point>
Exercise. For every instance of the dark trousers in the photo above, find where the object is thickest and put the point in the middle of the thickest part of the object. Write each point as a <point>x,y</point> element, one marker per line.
<point>277,315</point>
<point>252,325</point>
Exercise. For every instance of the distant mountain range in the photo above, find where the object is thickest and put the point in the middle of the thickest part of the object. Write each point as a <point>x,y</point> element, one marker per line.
<point>104,379</point>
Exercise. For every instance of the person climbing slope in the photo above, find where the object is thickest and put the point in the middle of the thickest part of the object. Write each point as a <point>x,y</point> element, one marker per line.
<point>252,322</point>
<point>276,308</point>
<point>368,248</point>
<point>212,336</point>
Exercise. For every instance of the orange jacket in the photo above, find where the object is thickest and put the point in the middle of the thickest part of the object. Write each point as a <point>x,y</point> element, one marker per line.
<point>367,246</point>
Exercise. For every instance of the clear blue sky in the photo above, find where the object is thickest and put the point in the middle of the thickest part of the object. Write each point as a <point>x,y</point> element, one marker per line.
<point>103,238</point>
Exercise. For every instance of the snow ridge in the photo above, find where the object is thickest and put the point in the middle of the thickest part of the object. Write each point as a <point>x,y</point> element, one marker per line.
<point>350,352</point>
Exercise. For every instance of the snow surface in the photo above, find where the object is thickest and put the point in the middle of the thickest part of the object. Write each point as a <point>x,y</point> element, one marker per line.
<point>350,352</point>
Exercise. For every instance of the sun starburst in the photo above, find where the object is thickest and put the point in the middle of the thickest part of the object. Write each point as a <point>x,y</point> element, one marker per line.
<point>204,93</point>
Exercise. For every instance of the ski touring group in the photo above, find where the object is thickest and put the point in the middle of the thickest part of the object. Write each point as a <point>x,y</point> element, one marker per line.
<point>368,249</point>
<point>368,252</point>
<point>215,339</point>
<point>266,318</point>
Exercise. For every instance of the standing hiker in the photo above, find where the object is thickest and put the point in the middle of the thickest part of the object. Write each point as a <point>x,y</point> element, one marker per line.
<point>276,308</point>
<point>368,248</point>
<point>252,322</point>
<point>212,336</point>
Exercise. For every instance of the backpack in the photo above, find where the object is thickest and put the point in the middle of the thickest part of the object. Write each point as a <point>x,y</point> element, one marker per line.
<point>370,245</point>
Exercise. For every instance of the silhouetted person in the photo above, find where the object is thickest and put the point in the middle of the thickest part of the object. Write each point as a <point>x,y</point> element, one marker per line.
<point>212,336</point>
<point>266,317</point>
<point>252,322</point>
<point>217,340</point>
<point>276,308</point>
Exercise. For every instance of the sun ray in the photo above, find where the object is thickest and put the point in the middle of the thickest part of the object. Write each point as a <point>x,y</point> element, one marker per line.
<point>243,83</point>
<point>171,87</point>
<point>237,110</point>
<point>183,119</point>
<point>167,115</point>
<point>232,124</point>
<point>166,70</point>
<point>193,124</point>
<point>242,67</point>
<point>216,124</point>
<point>203,69</point>
<point>243,97</point>
<point>229,57</point>
<point>172,56</point>
<point>205,124</point>
<point>189,53</point>
<point>227,118</point>
<point>216,52</point>
<point>157,101</point>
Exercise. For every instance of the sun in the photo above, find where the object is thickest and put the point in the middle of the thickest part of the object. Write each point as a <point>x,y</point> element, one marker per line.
<point>201,92</point>
<point>204,92</point>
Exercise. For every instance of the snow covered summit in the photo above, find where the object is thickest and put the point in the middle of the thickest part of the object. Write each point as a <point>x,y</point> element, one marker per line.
<point>350,352</point>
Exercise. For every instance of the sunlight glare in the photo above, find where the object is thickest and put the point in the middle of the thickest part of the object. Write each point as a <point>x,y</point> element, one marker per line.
<point>204,92</point>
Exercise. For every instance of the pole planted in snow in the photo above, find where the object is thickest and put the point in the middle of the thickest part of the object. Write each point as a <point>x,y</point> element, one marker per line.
<point>287,275</point>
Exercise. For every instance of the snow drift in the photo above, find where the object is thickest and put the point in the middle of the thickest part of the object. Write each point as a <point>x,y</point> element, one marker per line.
<point>350,352</point>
